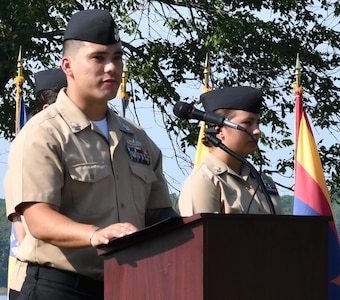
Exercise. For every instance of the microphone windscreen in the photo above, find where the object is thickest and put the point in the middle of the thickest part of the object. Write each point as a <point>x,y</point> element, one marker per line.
<point>182,110</point>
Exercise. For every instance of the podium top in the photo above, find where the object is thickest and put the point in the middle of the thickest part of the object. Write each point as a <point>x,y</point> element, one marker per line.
<point>170,224</point>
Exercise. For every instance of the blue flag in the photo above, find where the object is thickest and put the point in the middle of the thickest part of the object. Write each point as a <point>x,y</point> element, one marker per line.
<point>21,113</point>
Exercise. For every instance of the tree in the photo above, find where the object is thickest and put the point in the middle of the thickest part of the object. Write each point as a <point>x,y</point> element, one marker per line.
<point>4,243</point>
<point>174,201</point>
<point>165,43</point>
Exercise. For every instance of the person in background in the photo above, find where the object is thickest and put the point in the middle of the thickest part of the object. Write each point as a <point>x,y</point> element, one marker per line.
<point>47,85</point>
<point>84,175</point>
<point>223,183</point>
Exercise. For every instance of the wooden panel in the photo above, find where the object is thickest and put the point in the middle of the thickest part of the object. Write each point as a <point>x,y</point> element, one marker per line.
<point>158,270</point>
<point>214,256</point>
<point>265,258</point>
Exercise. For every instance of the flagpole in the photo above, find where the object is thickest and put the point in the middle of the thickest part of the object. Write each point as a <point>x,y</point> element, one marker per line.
<point>298,71</point>
<point>298,92</point>
<point>18,81</point>
<point>123,95</point>
<point>206,72</point>
<point>202,149</point>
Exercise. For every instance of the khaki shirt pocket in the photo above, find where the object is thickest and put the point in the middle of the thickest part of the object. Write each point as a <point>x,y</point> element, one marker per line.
<point>91,173</point>
<point>144,173</point>
<point>88,193</point>
<point>142,180</point>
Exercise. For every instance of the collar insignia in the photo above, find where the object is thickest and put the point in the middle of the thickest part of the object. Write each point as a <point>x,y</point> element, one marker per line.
<point>217,169</point>
<point>75,126</point>
<point>126,127</point>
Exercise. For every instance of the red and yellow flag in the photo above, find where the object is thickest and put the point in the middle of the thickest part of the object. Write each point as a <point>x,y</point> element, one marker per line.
<point>311,195</point>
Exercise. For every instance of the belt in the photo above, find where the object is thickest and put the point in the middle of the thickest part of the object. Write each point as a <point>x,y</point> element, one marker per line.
<point>73,280</point>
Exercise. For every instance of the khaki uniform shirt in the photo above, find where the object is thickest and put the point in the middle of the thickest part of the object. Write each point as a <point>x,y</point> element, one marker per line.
<point>10,209</point>
<point>60,157</point>
<point>18,276</point>
<point>214,187</point>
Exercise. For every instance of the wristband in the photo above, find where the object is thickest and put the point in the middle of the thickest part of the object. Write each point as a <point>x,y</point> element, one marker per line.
<point>92,234</point>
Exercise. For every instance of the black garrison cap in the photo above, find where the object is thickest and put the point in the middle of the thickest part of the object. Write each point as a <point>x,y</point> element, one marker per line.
<point>241,98</point>
<point>93,25</point>
<point>49,79</point>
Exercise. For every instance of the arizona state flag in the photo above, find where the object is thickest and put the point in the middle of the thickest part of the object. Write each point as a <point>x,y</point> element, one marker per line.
<point>311,196</point>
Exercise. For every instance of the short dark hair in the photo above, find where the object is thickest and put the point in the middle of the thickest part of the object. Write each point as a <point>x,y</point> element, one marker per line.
<point>71,46</point>
<point>43,97</point>
<point>227,113</point>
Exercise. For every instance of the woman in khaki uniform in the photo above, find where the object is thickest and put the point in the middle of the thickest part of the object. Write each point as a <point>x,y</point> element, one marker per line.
<point>223,183</point>
<point>47,86</point>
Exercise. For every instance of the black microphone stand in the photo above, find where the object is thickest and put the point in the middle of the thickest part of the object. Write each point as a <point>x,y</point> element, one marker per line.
<point>211,136</point>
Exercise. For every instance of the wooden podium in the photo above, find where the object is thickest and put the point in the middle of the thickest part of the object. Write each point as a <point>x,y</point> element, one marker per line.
<point>217,256</point>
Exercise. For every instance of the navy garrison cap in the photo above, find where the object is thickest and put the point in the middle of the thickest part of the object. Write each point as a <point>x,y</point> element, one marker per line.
<point>49,79</point>
<point>93,25</point>
<point>241,98</point>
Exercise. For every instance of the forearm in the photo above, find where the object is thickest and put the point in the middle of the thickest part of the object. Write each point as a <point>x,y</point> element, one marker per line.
<point>55,228</point>
<point>59,230</point>
<point>19,230</point>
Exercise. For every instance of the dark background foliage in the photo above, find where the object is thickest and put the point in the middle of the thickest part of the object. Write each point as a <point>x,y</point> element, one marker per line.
<point>166,42</point>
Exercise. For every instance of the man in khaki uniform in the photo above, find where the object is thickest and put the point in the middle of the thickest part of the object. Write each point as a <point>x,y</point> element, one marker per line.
<point>223,183</point>
<point>83,174</point>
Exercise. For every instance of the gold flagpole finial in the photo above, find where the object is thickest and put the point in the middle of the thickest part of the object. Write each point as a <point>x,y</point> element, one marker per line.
<point>124,97</point>
<point>297,84</point>
<point>298,71</point>
<point>125,76</point>
<point>206,70</point>
<point>20,64</point>
<point>206,74</point>
<point>18,81</point>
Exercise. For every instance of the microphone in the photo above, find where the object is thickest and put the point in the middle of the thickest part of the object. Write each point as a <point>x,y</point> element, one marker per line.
<point>188,111</point>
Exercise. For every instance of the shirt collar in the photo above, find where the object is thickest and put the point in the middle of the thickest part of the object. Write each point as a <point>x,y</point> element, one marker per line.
<point>71,113</point>
<point>218,167</point>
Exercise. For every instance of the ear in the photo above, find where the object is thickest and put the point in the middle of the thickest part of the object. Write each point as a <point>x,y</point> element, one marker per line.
<point>66,65</point>
<point>219,131</point>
